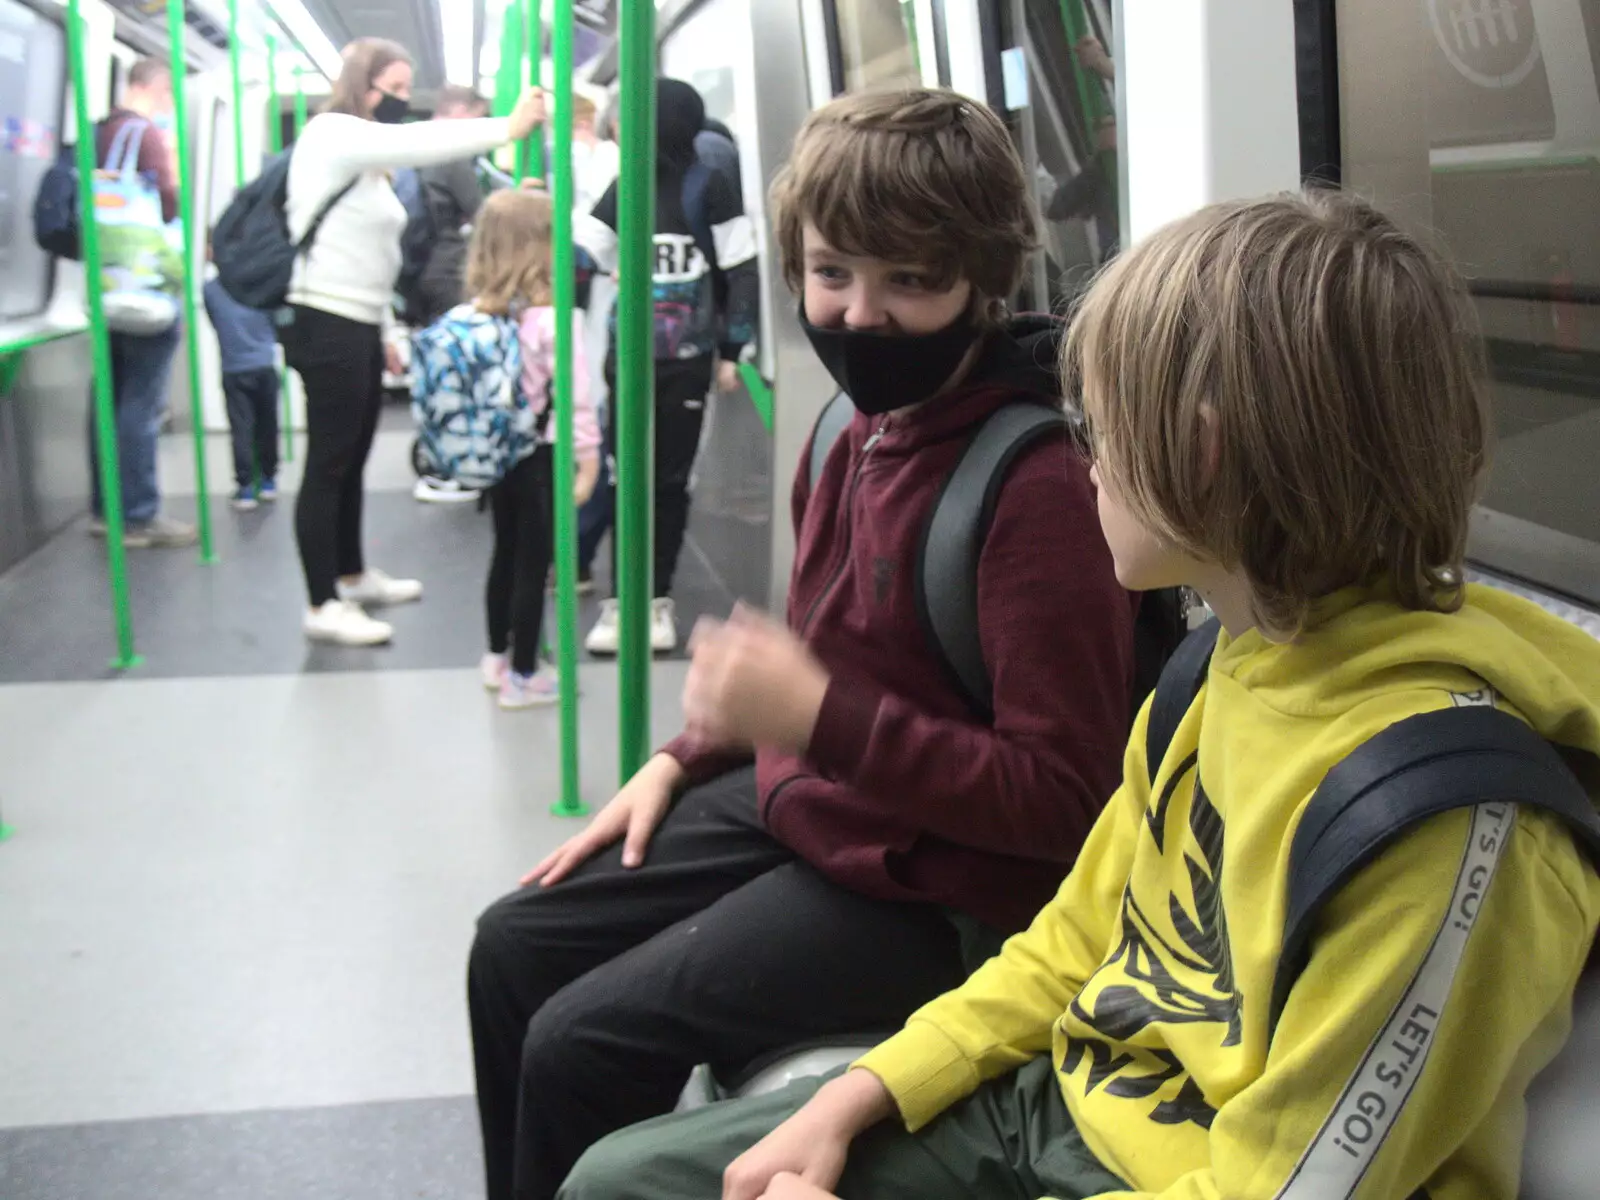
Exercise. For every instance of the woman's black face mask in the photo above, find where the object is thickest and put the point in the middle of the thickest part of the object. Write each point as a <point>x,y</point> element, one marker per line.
<point>390,109</point>
<point>882,372</point>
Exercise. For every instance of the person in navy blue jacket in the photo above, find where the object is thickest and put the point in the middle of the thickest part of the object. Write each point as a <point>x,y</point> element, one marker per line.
<point>250,382</point>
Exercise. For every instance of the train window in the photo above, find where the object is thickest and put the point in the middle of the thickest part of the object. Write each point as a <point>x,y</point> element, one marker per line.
<point>1060,107</point>
<point>878,43</point>
<point>32,79</point>
<point>1480,120</point>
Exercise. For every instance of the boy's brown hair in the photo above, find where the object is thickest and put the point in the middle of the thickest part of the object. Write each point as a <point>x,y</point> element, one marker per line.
<point>509,256</point>
<point>1338,363</point>
<point>363,61</point>
<point>919,176</point>
<point>454,98</point>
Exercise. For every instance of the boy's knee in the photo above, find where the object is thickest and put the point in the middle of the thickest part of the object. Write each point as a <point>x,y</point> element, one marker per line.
<point>608,1170</point>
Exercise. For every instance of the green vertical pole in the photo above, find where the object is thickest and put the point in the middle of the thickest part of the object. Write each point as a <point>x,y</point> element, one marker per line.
<point>238,93</point>
<point>105,422</point>
<point>191,340</point>
<point>275,144</point>
<point>634,528</point>
<point>571,803</point>
<point>1091,98</point>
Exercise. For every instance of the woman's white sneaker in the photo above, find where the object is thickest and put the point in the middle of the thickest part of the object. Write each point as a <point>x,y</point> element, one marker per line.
<point>376,587</point>
<point>494,668</point>
<point>345,624</point>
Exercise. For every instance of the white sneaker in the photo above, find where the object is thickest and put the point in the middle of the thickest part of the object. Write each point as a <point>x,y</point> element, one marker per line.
<point>345,624</point>
<point>375,587</point>
<point>494,667</point>
<point>602,638</point>
<point>663,625</point>
<point>442,491</point>
<point>538,690</point>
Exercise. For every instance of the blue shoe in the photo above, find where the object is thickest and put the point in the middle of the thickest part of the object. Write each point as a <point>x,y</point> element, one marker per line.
<point>244,500</point>
<point>267,493</point>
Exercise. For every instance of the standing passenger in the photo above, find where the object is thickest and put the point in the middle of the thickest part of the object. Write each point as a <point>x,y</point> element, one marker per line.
<point>340,297</point>
<point>691,249</point>
<point>141,364</point>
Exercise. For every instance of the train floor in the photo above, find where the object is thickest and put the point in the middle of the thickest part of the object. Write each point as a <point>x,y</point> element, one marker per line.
<point>241,881</point>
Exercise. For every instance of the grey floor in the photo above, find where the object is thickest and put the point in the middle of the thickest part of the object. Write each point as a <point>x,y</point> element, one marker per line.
<point>241,879</point>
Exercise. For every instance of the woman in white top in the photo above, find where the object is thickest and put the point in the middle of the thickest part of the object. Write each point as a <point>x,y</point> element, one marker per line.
<point>340,297</point>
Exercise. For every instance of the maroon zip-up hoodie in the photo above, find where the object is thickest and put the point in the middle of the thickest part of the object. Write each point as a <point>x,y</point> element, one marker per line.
<point>904,793</point>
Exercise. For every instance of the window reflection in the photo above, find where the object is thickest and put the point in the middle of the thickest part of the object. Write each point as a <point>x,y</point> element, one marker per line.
<point>32,78</point>
<point>1479,121</point>
<point>877,43</point>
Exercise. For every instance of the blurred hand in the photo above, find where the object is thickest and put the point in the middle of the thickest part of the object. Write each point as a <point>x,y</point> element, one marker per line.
<point>728,379</point>
<point>528,114</point>
<point>1094,58</point>
<point>633,815</point>
<point>752,682</point>
<point>532,183</point>
<point>588,475</point>
<point>785,1186</point>
<point>391,359</point>
<point>1105,134</point>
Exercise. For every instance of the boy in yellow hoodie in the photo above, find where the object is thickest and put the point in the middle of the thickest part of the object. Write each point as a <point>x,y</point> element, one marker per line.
<point>1289,413</point>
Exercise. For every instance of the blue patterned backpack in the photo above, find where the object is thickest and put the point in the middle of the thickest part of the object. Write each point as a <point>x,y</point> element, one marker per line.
<point>466,395</point>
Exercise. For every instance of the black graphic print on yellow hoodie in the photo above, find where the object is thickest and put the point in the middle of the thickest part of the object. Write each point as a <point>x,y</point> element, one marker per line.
<point>1440,979</point>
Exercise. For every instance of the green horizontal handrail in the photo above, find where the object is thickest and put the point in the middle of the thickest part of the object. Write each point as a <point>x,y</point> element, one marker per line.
<point>54,334</point>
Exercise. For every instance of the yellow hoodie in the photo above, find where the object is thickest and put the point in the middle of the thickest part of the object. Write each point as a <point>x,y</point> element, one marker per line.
<point>1427,1005</point>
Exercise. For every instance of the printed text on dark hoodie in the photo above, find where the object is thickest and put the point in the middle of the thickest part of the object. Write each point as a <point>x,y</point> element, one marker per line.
<point>905,794</point>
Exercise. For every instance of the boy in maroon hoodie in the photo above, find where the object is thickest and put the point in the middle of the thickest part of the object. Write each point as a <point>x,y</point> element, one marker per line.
<point>836,826</point>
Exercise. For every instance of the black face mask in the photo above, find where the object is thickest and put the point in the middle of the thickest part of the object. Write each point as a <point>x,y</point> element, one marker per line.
<point>882,372</point>
<point>391,109</point>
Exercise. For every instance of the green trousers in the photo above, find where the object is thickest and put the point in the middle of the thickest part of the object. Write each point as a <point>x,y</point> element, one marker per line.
<point>1011,1140</point>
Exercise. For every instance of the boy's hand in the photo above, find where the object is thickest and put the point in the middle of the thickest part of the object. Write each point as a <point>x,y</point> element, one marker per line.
<point>811,1146</point>
<point>728,376</point>
<point>391,359</point>
<point>588,476</point>
<point>752,683</point>
<point>785,1186</point>
<point>634,813</point>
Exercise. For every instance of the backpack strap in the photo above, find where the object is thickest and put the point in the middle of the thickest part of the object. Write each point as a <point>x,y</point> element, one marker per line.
<point>303,246</point>
<point>693,197</point>
<point>831,423</point>
<point>1180,683</point>
<point>947,567</point>
<point>1417,768</point>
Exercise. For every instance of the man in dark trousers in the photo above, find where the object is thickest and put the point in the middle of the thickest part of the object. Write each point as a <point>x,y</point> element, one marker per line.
<point>141,364</point>
<point>706,301</point>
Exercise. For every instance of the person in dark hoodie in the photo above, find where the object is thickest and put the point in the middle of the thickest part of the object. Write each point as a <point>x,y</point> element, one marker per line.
<point>706,306</point>
<point>838,835</point>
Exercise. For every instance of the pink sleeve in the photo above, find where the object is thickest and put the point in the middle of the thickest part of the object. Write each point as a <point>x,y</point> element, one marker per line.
<point>538,365</point>
<point>538,352</point>
<point>585,424</point>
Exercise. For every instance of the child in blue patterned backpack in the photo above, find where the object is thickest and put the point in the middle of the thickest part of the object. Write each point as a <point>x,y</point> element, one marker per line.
<point>509,272</point>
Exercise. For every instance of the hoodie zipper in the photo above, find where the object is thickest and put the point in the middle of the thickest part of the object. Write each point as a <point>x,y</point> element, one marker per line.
<point>867,448</point>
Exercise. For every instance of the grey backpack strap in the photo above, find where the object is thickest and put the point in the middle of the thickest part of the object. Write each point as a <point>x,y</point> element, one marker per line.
<point>831,423</point>
<point>1417,768</point>
<point>947,574</point>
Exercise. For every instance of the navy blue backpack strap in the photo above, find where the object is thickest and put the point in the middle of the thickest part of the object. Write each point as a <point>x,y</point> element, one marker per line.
<point>693,196</point>
<point>1175,691</point>
<point>1417,768</point>
<point>952,541</point>
<point>831,423</point>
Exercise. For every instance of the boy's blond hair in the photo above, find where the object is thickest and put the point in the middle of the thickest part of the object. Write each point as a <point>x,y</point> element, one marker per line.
<point>1339,363</point>
<point>509,256</point>
<point>920,176</point>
